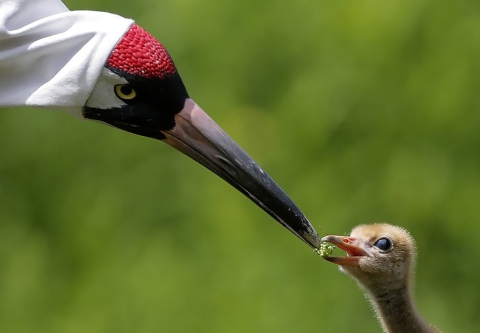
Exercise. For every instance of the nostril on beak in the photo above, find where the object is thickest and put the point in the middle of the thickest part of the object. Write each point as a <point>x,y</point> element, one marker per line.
<point>226,165</point>
<point>347,240</point>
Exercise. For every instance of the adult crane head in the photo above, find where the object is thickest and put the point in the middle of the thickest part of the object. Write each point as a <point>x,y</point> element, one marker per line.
<point>140,91</point>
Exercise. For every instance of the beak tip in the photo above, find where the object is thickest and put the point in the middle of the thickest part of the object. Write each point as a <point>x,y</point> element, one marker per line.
<point>312,239</point>
<point>325,239</point>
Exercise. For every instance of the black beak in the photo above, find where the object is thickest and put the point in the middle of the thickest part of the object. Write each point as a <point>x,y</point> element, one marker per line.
<point>198,136</point>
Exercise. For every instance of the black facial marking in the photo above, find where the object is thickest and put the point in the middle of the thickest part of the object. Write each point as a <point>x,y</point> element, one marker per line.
<point>152,110</point>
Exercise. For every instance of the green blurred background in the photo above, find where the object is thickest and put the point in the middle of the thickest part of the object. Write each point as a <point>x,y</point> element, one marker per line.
<point>363,111</point>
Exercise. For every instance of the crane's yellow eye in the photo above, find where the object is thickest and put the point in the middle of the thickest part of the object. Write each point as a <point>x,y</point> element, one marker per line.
<point>125,92</point>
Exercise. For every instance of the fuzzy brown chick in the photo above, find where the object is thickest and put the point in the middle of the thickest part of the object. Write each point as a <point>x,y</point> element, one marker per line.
<point>381,258</point>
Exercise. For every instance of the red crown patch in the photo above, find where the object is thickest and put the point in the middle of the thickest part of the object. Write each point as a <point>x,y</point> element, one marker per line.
<point>139,53</point>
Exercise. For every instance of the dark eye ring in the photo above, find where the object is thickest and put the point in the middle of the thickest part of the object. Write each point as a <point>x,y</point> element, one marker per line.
<point>125,92</point>
<point>383,244</point>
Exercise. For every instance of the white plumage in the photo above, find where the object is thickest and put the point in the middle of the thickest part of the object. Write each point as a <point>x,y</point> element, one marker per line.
<point>51,57</point>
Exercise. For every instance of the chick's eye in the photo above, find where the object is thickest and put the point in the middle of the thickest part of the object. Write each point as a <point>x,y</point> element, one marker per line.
<point>125,92</point>
<point>383,244</point>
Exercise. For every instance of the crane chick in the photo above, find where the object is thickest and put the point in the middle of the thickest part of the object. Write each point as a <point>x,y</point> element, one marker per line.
<point>381,258</point>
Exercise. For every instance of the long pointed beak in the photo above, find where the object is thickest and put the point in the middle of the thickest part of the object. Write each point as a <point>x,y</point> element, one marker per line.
<point>195,134</point>
<point>350,245</point>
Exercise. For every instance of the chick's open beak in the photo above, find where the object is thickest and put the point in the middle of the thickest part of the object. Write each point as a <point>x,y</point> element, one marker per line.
<point>350,245</point>
<point>198,136</point>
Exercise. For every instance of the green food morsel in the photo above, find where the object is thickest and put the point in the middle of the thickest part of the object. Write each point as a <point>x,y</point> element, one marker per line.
<point>325,249</point>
